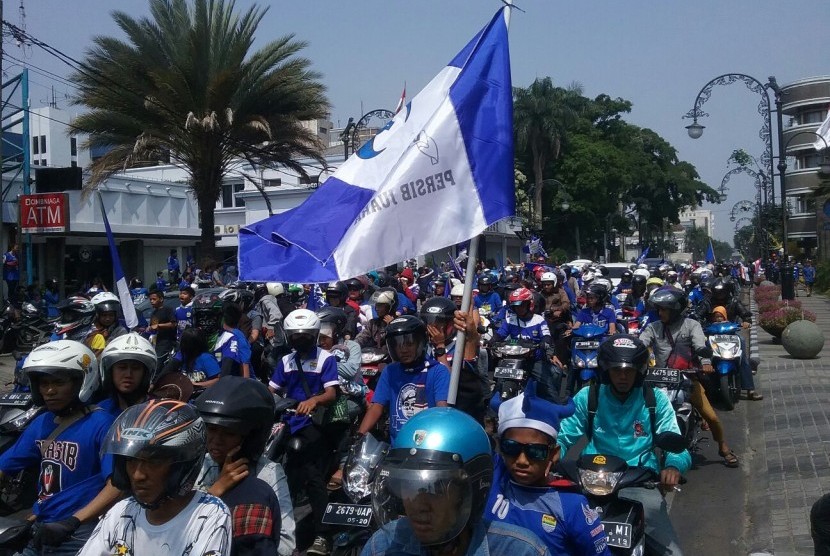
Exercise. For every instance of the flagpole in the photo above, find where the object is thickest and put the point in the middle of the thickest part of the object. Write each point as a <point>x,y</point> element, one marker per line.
<point>461,337</point>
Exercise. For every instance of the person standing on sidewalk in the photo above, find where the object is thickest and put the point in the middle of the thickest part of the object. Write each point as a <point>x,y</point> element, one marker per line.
<point>11,272</point>
<point>809,272</point>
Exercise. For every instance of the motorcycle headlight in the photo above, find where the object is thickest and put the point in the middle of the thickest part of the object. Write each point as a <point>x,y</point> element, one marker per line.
<point>580,363</point>
<point>591,363</point>
<point>729,349</point>
<point>599,483</point>
<point>23,419</point>
<point>358,483</point>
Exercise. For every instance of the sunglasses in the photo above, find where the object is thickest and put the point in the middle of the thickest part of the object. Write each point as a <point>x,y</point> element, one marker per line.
<point>512,449</point>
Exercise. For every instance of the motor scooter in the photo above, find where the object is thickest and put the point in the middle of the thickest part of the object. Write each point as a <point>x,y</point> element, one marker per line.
<point>350,516</point>
<point>726,359</point>
<point>601,477</point>
<point>585,342</point>
<point>372,361</point>
<point>513,364</point>
<point>677,385</point>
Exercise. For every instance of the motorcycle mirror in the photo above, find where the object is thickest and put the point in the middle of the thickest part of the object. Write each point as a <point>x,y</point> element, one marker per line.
<point>670,442</point>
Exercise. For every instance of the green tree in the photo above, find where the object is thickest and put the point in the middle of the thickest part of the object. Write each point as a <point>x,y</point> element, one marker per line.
<point>186,84</point>
<point>542,114</point>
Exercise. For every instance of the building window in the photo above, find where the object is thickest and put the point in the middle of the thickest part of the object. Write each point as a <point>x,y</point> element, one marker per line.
<point>43,162</point>
<point>43,144</point>
<point>812,117</point>
<point>804,162</point>
<point>229,198</point>
<point>74,163</point>
<point>36,162</point>
<point>35,145</point>
<point>272,182</point>
<point>324,131</point>
<point>73,146</point>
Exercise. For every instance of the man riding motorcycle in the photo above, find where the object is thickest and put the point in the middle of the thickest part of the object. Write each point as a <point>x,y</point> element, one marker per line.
<point>621,417</point>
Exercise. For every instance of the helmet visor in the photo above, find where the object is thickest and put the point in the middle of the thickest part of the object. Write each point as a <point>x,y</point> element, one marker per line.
<point>329,330</point>
<point>405,348</point>
<point>436,501</point>
<point>439,319</point>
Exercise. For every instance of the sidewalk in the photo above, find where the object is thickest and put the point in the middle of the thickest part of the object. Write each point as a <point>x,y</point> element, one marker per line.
<point>790,436</point>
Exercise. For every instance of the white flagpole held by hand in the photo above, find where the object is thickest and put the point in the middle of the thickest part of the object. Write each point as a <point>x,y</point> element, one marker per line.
<point>461,336</point>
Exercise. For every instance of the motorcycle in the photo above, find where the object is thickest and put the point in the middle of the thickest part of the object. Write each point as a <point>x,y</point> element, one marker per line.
<point>351,517</point>
<point>677,385</point>
<point>514,361</point>
<point>726,358</point>
<point>584,347</point>
<point>27,328</point>
<point>372,361</point>
<point>629,323</point>
<point>602,476</point>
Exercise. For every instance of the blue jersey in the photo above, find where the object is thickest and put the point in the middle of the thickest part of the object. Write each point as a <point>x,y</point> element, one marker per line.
<point>809,274</point>
<point>603,317</point>
<point>405,392</point>
<point>139,295</point>
<point>52,299</point>
<point>405,306</point>
<point>320,371</point>
<point>11,267</point>
<point>205,367</point>
<point>72,472</point>
<point>233,345</point>
<point>565,522</point>
<point>184,318</point>
<point>534,329</point>
<point>490,302</point>
<point>172,263</point>
<point>110,406</point>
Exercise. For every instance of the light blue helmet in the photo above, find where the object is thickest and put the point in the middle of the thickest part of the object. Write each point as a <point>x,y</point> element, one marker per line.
<point>441,456</point>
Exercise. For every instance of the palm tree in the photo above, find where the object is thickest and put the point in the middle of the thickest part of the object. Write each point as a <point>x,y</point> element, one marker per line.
<point>542,114</point>
<point>186,84</point>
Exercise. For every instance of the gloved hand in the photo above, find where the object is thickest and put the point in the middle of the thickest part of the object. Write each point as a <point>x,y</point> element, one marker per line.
<point>55,533</point>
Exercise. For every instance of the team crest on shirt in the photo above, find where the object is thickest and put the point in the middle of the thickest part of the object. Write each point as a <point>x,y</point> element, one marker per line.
<point>49,480</point>
<point>639,429</point>
<point>591,515</point>
<point>121,549</point>
<point>548,523</point>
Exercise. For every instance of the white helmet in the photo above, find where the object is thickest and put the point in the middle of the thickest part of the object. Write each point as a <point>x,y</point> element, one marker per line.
<point>604,282</point>
<point>549,277</point>
<point>457,290</point>
<point>385,298</point>
<point>642,272</point>
<point>301,321</point>
<point>643,265</point>
<point>106,302</point>
<point>63,357</point>
<point>130,346</point>
<point>587,276</point>
<point>275,288</point>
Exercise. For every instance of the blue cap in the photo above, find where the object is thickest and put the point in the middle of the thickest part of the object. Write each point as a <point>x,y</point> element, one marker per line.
<point>528,411</point>
<point>444,429</point>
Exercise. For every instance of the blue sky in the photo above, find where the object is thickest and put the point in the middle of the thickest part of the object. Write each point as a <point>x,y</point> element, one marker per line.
<point>655,53</point>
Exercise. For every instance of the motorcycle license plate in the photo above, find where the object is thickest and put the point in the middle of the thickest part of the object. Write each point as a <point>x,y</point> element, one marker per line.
<point>347,514</point>
<point>665,376</point>
<point>593,344</point>
<point>368,371</point>
<point>509,373</point>
<point>16,399</point>
<point>724,338</point>
<point>618,534</point>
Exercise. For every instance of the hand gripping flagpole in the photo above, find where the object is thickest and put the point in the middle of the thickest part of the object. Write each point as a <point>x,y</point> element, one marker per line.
<point>461,337</point>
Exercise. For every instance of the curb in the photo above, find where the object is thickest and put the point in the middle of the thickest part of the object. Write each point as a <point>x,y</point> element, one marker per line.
<point>754,347</point>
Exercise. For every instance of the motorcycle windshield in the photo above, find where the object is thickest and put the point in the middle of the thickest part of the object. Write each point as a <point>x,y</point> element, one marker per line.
<point>361,465</point>
<point>722,328</point>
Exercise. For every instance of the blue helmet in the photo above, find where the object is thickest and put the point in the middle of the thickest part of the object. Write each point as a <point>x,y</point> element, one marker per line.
<point>438,474</point>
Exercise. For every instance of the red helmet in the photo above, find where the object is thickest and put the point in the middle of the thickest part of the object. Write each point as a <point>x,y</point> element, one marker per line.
<point>519,296</point>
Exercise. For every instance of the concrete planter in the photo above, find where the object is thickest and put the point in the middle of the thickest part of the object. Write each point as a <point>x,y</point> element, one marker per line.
<point>802,339</point>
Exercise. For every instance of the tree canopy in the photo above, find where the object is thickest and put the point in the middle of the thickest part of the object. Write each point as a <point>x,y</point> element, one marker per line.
<point>617,177</point>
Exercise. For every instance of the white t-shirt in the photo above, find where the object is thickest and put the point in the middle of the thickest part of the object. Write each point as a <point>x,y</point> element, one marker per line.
<point>202,528</point>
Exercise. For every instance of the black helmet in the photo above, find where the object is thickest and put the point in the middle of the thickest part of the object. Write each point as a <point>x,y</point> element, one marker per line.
<point>669,298</point>
<point>243,405</point>
<point>720,288</point>
<point>485,280</point>
<point>622,351</point>
<point>76,315</point>
<point>626,276</point>
<point>438,309</point>
<point>241,297</point>
<point>600,290</point>
<point>166,430</point>
<point>354,283</point>
<point>334,317</point>
<point>207,312</point>
<point>338,288</point>
<point>406,329</point>
<point>603,270</point>
<point>638,284</point>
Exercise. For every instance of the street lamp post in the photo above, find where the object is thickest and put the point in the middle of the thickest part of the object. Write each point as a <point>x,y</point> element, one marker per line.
<point>695,131</point>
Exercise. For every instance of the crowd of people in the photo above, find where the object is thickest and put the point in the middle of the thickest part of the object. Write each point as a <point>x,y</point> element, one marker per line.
<point>156,436</point>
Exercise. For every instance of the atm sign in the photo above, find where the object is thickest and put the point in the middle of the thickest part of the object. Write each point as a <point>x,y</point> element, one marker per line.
<point>44,212</point>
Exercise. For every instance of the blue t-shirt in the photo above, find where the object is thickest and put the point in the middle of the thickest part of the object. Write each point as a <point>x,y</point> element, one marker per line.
<point>809,274</point>
<point>535,329</point>
<point>110,405</point>
<point>11,267</point>
<point>161,285</point>
<point>184,318</point>
<point>564,521</point>
<point>405,306</point>
<point>320,371</point>
<point>205,367</point>
<point>139,295</point>
<point>172,263</point>
<point>72,472</point>
<point>52,299</point>
<point>603,317</point>
<point>490,302</point>
<point>405,392</point>
<point>233,345</point>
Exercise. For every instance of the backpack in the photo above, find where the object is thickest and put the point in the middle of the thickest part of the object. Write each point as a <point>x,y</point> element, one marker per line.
<point>593,402</point>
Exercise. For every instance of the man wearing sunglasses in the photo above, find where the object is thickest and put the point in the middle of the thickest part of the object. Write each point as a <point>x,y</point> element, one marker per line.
<point>618,420</point>
<point>522,493</point>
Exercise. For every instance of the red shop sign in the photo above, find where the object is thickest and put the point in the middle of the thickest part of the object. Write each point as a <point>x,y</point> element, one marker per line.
<point>44,212</point>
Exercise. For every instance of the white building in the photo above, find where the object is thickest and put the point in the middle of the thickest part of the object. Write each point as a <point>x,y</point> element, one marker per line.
<point>698,218</point>
<point>51,143</point>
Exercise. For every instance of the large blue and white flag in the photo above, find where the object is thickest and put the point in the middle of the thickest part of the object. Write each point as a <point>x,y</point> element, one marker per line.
<point>127,307</point>
<point>437,174</point>
<point>643,255</point>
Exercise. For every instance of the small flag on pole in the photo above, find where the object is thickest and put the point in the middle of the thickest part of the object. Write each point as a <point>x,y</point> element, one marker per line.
<point>710,253</point>
<point>127,306</point>
<point>402,101</point>
<point>644,255</point>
